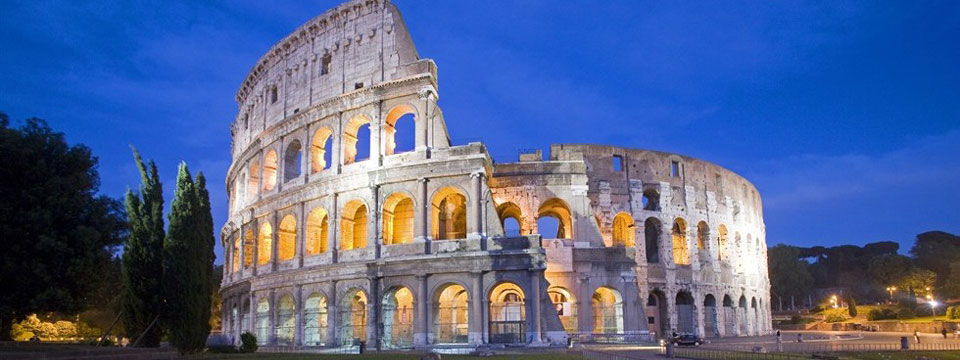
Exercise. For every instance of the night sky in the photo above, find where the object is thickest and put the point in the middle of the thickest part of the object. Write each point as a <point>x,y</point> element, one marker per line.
<point>845,115</point>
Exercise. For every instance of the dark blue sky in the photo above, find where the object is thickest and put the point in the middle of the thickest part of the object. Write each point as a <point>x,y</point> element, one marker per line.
<point>845,115</point>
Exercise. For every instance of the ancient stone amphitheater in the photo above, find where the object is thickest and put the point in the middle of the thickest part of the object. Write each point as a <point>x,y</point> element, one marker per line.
<point>338,233</point>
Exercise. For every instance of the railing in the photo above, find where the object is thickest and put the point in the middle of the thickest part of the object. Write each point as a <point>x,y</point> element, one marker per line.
<point>644,338</point>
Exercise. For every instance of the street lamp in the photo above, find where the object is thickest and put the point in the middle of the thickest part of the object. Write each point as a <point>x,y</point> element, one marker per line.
<point>833,300</point>
<point>933,308</point>
<point>891,289</point>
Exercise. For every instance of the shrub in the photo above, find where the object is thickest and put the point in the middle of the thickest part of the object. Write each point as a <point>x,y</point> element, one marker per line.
<point>222,349</point>
<point>881,314</point>
<point>796,319</point>
<point>953,312</point>
<point>906,313</point>
<point>852,307</point>
<point>248,343</point>
<point>832,318</point>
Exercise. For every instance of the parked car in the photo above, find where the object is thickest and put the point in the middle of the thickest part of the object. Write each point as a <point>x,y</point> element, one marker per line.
<point>688,340</point>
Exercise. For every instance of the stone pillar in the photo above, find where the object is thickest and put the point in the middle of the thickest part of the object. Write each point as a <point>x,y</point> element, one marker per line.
<point>422,124</point>
<point>633,310</point>
<point>333,315</point>
<point>373,315</point>
<point>256,249</point>
<point>421,322</point>
<point>475,207</point>
<point>374,222</point>
<point>584,305</point>
<point>300,239</point>
<point>475,318</point>
<point>273,317</point>
<point>422,217</point>
<point>376,155</point>
<point>333,223</point>
<point>274,241</point>
<point>298,316</point>
<point>243,249</point>
<point>337,146</point>
<point>537,331</point>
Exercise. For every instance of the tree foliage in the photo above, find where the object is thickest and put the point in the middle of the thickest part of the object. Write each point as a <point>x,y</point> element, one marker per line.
<point>58,234</point>
<point>188,264</point>
<point>788,273</point>
<point>937,251</point>
<point>142,256</point>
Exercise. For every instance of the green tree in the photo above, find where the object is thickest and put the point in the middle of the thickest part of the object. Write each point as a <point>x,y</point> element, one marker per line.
<point>789,275</point>
<point>887,270</point>
<point>188,264</point>
<point>936,251</point>
<point>951,289</point>
<point>852,306</point>
<point>918,280</point>
<point>57,233</point>
<point>143,257</point>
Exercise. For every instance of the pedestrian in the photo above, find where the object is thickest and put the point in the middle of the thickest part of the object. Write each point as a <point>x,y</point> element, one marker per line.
<point>778,336</point>
<point>799,338</point>
<point>944,332</point>
<point>916,336</point>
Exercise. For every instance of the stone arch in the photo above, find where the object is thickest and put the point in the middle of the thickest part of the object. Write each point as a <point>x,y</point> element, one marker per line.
<point>398,219</point>
<point>398,317</point>
<point>557,208</point>
<point>270,170</point>
<point>729,316</point>
<point>287,238</point>
<point>292,159</point>
<point>754,316</point>
<point>353,316</point>
<point>681,251</point>
<point>350,131</point>
<point>565,304</point>
<point>286,320</point>
<point>607,305</point>
<point>448,214</point>
<point>237,243</point>
<point>743,322</point>
<point>710,316</point>
<point>317,231</point>
<point>451,314</point>
<point>509,210</point>
<point>657,309</point>
<point>253,181</point>
<point>685,312</point>
<point>722,253</point>
<point>263,321</point>
<point>315,320</point>
<point>248,244</point>
<point>507,314</point>
<point>319,148</point>
<point>624,230</point>
<point>244,314</point>
<point>265,244</point>
<point>651,199</point>
<point>353,225</point>
<point>652,231</point>
<point>395,118</point>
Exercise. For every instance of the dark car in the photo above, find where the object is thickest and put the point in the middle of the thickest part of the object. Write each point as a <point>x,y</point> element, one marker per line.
<point>687,339</point>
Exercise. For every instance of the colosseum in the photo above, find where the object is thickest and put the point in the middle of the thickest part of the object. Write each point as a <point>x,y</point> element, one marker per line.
<point>338,234</point>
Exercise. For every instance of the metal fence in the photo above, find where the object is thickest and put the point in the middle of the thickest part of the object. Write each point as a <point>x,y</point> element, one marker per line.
<point>811,347</point>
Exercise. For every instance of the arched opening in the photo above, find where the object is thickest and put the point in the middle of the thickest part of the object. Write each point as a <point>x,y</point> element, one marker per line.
<point>353,226</point>
<point>397,219</point>
<point>507,314</point>
<point>287,238</point>
<point>450,315</point>
<point>317,231</point>
<point>742,316</point>
<point>356,140</point>
<point>722,242</point>
<point>685,321</point>
<point>566,306</point>
<point>703,238</point>
<point>263,321</point>
<point>558,210</point>
<point>398,318</point>
<point>320,154</point>
<point>656,310</point>
<point>353,317</point>
<point>399,132</point>
<point>265,244</point>
<point>510,218</point>
<point>710,325</point>
<point>729,317</point>
<point>651,200</point>
<point>270,170</point>
<point>624,230</point>
<point>448,214</point>
<point>652,230</point>
<point>286,323</point>
<point>253,181</point>
<point>607,311</point>
<point>754,315</point>
<point>248,244</point>
<point>245,315</point>
<point>292,161</point>
<point>681,253</point>
<point>236,253</point>
<point>315,320</point>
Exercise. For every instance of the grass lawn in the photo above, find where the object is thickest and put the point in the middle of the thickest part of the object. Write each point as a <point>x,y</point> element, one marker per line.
<point>905,355</point>
<point>388,356</point>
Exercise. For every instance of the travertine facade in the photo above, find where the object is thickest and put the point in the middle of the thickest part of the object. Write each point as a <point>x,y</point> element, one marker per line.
<point>324,248</point>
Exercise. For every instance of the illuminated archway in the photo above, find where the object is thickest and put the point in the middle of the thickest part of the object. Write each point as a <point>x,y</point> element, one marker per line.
<point>448,214</point>
<point>319,150</point>
<point>397,117</point>
<point>398,215</point>
<point>353,317</point>
<point>509,211</point>
<point>315,320</point>
<point>451,309</point>
<point>681,253</point>
<point>265,244</point>
<point>607,311</point>
<point>253,180</point>
<point>353,226</point>
<point>398,315</point>
<point>287,238</point>
<point>729,316</point>
<point>286,323</point>
<point>317,231</point>
<point>248,244</point>
<point>566,306</point>
<point>350,133</point>
<point>623,230</point>
<point>270,170</point>
<point>263,321</point>
<point>710,325</point>
<point>236,253</point>
<point>559,210</point>
<point>722,243</point>
<point>507,314</point>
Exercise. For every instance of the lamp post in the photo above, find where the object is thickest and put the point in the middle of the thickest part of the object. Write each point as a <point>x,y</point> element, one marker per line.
<point>891,289</point>
<point>933,308</point>
<point>833,301</point>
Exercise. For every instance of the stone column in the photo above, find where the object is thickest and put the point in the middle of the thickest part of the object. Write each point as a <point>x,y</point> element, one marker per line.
<point>537,331</point>
<point>421,318</point>
<point>252,322</point>
<point>423,124</point>
<point>422,217</point>
<point>243,249</point>
<point>298,316</point>
<point>475,318</point>
<point>633,312</point>
<point>584,305</point>
<point>256,249</point>
<point>273,318</point>
<point>337,146</point>
<point>373,315</point>
<point>274,240</point>
<point>474,207</point>
<point>375,223</point>
<point>333,223</point>
<point>376,155</point>
<point>333,315</point>
<point>300,240</point>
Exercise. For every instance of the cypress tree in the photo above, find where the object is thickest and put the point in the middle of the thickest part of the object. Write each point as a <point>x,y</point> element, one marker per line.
<point>142,257</point>
<point>187,265</point>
